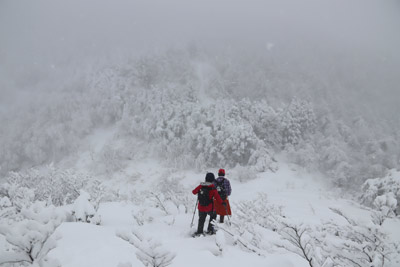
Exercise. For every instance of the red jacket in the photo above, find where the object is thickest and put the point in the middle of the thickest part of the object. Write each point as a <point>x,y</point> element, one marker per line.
<point>213,193</point>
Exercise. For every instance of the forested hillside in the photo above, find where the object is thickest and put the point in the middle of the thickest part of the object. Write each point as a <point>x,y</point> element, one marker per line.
<point>199,107</point>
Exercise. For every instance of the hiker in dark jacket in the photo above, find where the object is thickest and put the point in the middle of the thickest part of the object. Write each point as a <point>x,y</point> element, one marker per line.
<point>206,203</point>
<point>224,190</point>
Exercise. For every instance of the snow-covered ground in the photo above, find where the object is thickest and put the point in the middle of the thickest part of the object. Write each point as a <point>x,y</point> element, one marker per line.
<point>142,213</point>
<point>303,198</point>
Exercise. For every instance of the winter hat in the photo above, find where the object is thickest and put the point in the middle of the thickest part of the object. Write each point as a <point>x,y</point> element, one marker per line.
<point>210,177</point>
<point>221,172</point>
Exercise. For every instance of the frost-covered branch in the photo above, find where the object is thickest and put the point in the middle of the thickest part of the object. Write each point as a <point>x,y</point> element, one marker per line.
<point>340,212</point>
<point>301,244</point>
<point>240,240</point>
<point>356,244</point>
<point>150,252</point>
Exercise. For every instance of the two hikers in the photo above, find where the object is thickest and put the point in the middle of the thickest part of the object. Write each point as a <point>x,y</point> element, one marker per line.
<point>212,200</point>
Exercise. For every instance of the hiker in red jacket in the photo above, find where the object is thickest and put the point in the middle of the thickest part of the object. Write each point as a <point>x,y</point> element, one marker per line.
<point>206,193</point>
<point>224,189</point>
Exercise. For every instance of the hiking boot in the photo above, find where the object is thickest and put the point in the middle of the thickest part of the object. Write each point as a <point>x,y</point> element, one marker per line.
<point>196,234</point>
<point>211,232</point>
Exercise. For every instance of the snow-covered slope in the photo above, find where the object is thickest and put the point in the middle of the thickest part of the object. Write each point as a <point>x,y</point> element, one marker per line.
<point>303,199</point>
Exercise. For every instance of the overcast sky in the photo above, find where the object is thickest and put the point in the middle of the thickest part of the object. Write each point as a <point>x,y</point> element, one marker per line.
<point>54,29</point>
<point>45,34</point>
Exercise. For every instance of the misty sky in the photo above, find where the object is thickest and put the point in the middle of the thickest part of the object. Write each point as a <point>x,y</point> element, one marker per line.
<point>47,34</point>
<point>55,29</point>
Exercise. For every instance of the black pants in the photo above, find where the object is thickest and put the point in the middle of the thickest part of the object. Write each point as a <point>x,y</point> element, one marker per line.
<point>202,219</point>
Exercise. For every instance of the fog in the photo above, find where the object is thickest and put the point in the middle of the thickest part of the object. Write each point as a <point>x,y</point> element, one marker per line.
<point>69,68</point>
<point>46,35</point>
<point>57,30</point>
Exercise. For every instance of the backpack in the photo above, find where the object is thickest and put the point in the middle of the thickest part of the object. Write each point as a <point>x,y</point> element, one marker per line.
<point>219,184</point>
<point>204,196</point>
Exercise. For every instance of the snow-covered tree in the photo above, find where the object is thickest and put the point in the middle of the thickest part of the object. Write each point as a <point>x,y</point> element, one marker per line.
<point>218,108</point>
<point>298,121</point>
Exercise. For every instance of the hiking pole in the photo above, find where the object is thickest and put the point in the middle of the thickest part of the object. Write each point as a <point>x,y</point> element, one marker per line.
<point>195,207</point>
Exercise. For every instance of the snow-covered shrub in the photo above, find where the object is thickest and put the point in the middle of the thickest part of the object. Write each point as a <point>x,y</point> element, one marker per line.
<point>49,183</point>
<point>383,193</point>
<point>261,212</point>
<point>355,245</point>
<point>328,244</point>
<point>163,203</point>
<point>101,192</point>
<point>239,236</point>
<point>152,254</point>
<point>253,221</point>
<point>171,195</point>
<point>29,239</point>
<point>83,210</point>
<point>332,244</point>
<point>7,210</point>
<point>149,251</point>
<point>18,196</point>
<point>387,204</point>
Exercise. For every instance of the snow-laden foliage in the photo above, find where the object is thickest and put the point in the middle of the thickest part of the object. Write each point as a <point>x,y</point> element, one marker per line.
<point>83,210</point>
<point>16,197</point>
<point>298,122</point>
<point>28,238</point>
<point>6,208</point>
<point>48,183</point>
<point>328,244</point>
<point>148,250</point>
<point>356,245</point>
<point>383,194</point>
<point>192,134</point>
<point>172,197</point>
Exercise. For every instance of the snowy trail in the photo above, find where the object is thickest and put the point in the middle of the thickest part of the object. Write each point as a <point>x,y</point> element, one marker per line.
<point>85,245</point>
<point>301,198</point>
